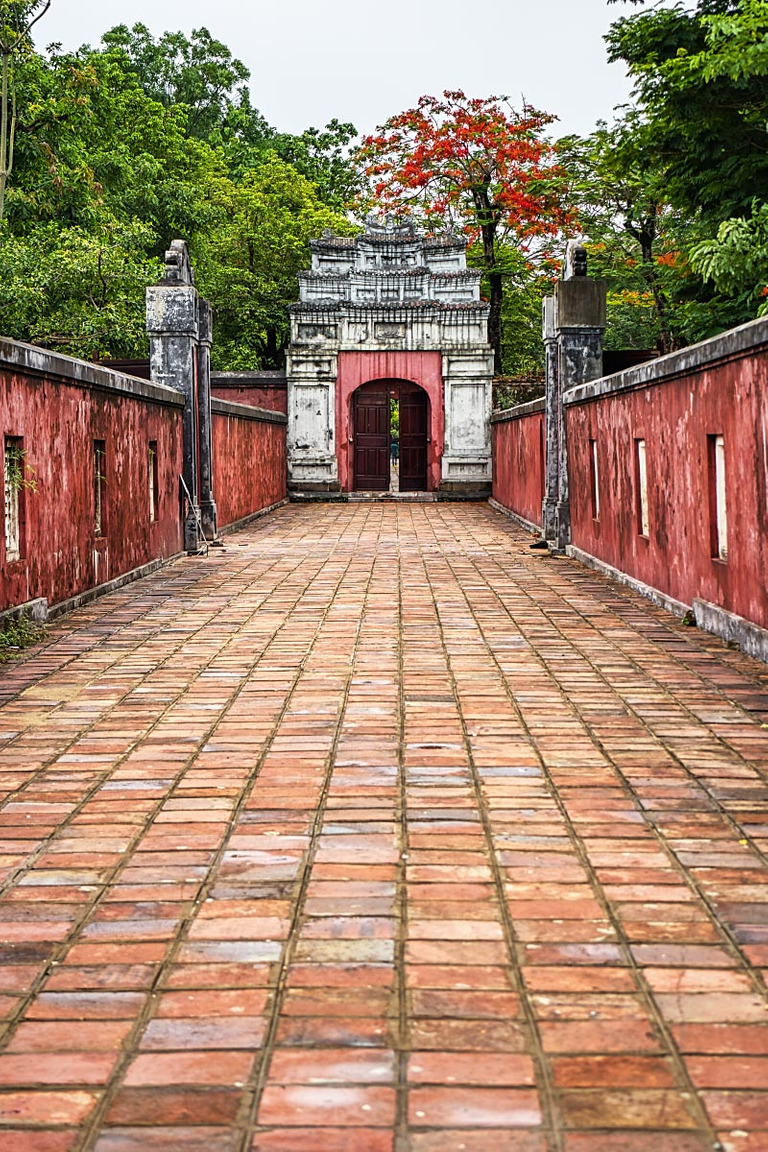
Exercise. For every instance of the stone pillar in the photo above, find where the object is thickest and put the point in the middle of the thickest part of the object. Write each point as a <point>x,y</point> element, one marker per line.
<point>205,430</point>
<point>173,324</point>
<point>552,407</point>
<point>574,324</point>
<point>467,392</point>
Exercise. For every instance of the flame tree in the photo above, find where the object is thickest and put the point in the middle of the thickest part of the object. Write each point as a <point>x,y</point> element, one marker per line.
<point>478,166</point>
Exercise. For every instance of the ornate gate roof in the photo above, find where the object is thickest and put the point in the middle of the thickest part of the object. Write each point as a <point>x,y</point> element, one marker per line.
<point>389,265</point>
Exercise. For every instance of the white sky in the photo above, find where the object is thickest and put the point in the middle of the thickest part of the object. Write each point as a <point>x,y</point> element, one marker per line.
<point>312,60</point>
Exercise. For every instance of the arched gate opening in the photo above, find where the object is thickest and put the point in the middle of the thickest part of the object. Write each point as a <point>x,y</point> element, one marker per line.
<point>372,436</point>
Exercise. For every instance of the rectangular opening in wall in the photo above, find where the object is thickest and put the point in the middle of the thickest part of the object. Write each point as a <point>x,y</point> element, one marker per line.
<point>15,481</point>
<point>718,508</point>
<point>594,480</point>
<point>153,481</point>
<point>100,487</point>
<point>641,489</point>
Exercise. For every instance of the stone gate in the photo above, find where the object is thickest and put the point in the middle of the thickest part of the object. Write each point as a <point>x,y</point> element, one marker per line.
<point>387,311</point>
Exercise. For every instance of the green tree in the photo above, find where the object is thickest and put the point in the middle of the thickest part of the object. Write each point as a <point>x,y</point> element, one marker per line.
<point>105,177</point>
<point>736,259</point>
<point>249,258</point>
<point>699,80</point>
<point>197,71</point>
<point>671,195</point>
<point>322,155</point>
<point>78,290</point>
<point>121,148</point>
<point>17,18</point>
<point>630,229</point>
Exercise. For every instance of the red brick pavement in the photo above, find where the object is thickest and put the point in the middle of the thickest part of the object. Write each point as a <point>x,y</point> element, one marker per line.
<point>377,831</point>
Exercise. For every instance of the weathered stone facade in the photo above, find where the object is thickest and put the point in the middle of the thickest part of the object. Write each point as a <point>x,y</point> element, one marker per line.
<point>390,303</point>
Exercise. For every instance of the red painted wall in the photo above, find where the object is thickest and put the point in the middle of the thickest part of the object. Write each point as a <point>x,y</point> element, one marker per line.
<point>518,463</point>
<point>675,417</point>
<point>271,396</point>
<point>249,466</point>
<point>356,368</point>
<point>59,420</point>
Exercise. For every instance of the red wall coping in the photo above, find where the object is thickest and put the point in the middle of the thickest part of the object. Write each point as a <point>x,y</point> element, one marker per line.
<point>737,343</point>
<point>519,412</point>
<point>34,362</point>
<point>247,411</point>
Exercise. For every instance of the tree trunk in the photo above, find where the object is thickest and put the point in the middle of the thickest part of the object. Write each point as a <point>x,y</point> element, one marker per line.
<point>495,281</point>
<point>4,117</point>
<point>494,320</point>
<point>645,234</point>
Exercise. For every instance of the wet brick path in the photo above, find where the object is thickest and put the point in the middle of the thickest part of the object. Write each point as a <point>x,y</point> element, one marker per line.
<point>375,832</point>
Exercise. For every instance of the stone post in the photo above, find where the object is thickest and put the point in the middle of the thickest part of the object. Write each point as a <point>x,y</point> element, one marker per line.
<point>551,423</point>
<point>205,433</point>
<point>574,324</point>
<point>175,357</point>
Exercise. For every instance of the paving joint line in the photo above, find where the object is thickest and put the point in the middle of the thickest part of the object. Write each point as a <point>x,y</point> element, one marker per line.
<point>31,858</point>
<point>130,1044</point>
<point>552,1127</point>
<point>738,831</point>
<point>705,1125</point>
<point>259,1075</point>
<point>402,1139</point>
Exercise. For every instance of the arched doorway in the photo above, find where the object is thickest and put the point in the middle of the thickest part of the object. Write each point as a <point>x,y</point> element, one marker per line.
<point>372,437</point>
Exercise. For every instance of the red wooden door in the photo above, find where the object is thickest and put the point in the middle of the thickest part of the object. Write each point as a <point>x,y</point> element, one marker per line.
<point>413,438</point>
<point>371,437</point>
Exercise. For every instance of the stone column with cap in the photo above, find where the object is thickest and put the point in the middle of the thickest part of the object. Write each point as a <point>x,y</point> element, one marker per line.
<point>551,423</point>
<point>574,326</point>
<point>179,327</point>
<point>208,513</point>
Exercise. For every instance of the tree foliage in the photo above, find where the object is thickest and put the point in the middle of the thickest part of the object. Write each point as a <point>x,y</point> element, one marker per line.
<point>78,290</point>
<point>480,167</point>
<point>699,79</point>
<point>735,260</point>
<point>249,260</point>
<point>197,72</point>
<point>122,148</point>
<point>17,19</point>
<point>671,194</point>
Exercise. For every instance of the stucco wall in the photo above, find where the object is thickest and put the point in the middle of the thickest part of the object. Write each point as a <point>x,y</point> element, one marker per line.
<point>60,406</point>
<point>676,406</point>
<point>422,368</point>
<point>720,388</point>
<point>518,459</point>
<point>249,469</point>
<point>260,389</point>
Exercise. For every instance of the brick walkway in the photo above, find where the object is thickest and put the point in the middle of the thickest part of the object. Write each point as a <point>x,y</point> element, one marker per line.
<point>378,831</point>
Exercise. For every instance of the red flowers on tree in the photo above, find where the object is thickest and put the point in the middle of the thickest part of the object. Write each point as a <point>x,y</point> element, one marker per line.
<point>475,165</point>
